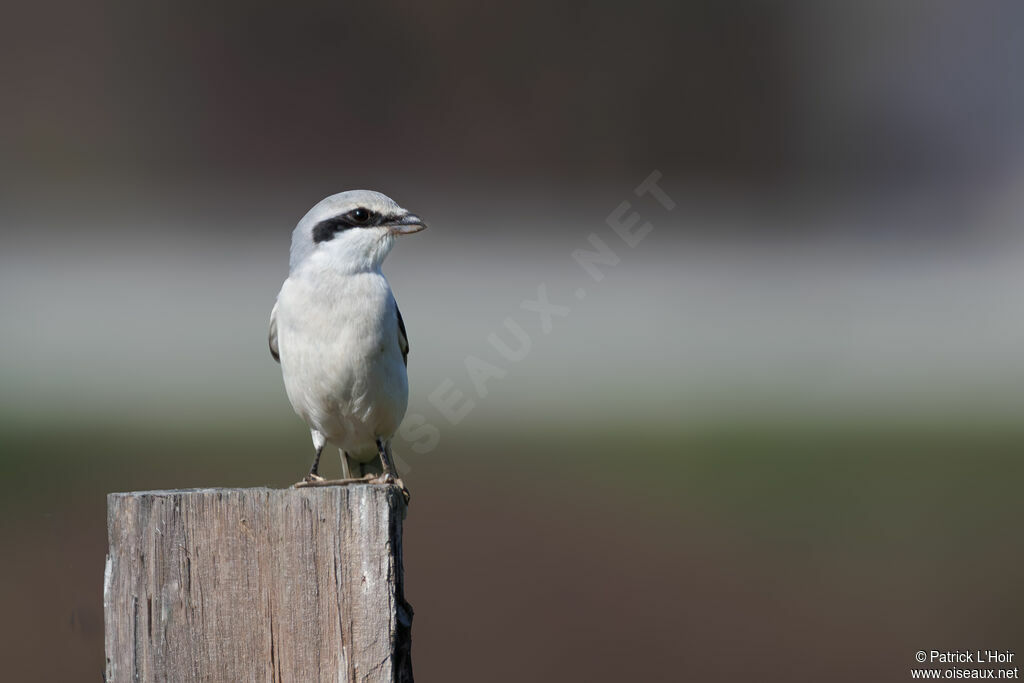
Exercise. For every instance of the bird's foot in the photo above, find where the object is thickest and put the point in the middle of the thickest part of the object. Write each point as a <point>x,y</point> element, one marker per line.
<point>389,479</point>
<point>312,480</point>
<point>309,480</point>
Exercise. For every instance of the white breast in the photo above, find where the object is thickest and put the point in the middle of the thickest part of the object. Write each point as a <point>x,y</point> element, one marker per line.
<point>342,366</point>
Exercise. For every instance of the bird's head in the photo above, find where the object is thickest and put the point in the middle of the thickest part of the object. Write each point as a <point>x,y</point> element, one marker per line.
<point>353,230</point>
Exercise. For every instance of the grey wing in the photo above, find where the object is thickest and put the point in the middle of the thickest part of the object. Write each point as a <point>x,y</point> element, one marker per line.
<point>403,338</point>
<point>272,337</point>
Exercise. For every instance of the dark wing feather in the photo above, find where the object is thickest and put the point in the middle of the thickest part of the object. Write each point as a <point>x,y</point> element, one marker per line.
<point>272,337</point>
<point>403,338</point>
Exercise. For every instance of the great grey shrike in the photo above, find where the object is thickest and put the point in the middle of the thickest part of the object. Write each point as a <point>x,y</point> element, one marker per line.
<point>338,334</point>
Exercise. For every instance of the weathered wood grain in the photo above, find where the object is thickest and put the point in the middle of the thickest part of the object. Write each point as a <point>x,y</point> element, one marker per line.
<point>256,585</point>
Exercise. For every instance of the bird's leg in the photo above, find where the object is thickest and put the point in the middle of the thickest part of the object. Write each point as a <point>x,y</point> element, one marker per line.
<point>394,468</point>
<point>312,479</point>
<point>390,473</point>
<point>316,464</point>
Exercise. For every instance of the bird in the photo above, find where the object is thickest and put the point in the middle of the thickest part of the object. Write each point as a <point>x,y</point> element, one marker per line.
<point>338,334</point>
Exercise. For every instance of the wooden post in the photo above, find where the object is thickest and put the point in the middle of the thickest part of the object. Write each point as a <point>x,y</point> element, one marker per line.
<point>256,585</point>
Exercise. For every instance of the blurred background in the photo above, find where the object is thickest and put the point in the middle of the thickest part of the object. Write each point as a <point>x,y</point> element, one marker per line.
<point>780,438</point>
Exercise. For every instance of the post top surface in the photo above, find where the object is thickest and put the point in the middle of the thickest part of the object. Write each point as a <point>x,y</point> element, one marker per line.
<point>161,493</point>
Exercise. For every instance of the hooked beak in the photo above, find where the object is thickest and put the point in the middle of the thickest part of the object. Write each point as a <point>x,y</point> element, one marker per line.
<point>407,224</point>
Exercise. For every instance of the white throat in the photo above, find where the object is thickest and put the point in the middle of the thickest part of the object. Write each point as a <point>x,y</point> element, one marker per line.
<point>358,250</point>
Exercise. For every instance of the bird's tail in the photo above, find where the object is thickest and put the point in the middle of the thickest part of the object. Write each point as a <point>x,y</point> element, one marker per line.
<point>361,469</point>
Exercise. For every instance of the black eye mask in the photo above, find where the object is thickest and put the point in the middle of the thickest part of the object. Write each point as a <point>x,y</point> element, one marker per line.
<point>325,230</point>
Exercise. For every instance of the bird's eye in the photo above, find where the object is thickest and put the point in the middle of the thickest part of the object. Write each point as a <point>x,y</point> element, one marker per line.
<point>359,215</point>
